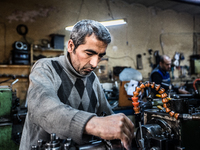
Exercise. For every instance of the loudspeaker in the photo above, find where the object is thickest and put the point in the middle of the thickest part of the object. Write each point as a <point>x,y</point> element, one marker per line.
<point>57,41</point>
<point>20,57</point>
<point>20,46</point>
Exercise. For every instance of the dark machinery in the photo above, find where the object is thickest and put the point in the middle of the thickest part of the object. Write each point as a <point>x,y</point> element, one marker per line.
<point>7,96</point>
<point>11,123</point>
<point>175,126</point>
<point>67,144</point>
<point>55,143</point>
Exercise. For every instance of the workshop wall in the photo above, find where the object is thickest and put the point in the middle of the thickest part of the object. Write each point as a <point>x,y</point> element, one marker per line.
<point>148,28</point>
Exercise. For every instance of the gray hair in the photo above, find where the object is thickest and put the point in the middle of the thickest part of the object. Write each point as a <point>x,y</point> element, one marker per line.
<point>85,28</point>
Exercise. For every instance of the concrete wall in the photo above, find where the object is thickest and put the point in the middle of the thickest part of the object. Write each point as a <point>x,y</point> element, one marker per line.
<point>148,28</point>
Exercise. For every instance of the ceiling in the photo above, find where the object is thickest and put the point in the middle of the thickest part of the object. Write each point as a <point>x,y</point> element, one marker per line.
<point>189,6</point>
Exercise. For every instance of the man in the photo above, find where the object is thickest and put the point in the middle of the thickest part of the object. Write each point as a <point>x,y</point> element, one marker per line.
<point>160,75</point>
<point>66,98</point>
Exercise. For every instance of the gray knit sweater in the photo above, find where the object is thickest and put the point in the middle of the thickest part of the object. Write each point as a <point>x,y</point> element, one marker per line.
<point>60,101</point>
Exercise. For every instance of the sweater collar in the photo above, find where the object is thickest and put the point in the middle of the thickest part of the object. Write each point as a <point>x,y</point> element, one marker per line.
<point>71,69</point>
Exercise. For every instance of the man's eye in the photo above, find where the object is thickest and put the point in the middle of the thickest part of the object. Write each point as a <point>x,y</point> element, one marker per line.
<point>89,54</point>
<point>100,56</point>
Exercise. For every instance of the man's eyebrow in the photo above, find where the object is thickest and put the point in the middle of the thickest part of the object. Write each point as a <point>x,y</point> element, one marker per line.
<point>94,52</point>
<point>91,51</point>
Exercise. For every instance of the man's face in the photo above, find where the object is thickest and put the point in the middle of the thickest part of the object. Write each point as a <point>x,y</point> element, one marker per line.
<point>166,66</point>
<point>86,56</point>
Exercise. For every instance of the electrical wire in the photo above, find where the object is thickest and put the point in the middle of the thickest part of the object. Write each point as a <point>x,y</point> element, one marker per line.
<point>108,4</point>
<point>21,32</point>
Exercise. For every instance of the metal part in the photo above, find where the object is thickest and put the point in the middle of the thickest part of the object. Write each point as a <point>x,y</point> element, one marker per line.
<point>155,148</point>
<point>148,131</point>
<point>141,141</point>
<point>98,145</point>
<point>180,148</point>
<point>170,87</point>
<point>170,126</point>
<point>14,83</point>
<point>54,144</point>
<point>33,147</point>
<point>67,144</point>
<point>162,132</point>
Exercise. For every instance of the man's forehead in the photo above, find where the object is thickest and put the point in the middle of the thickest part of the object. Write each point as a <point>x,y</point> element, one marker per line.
<point>167,60</point>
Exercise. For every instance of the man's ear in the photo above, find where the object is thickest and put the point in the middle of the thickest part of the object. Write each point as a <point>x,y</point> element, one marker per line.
<point>160,64</point>
<point>70,46</point>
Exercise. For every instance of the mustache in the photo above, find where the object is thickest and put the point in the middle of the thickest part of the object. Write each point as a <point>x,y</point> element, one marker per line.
<point>89,67</point>
<point>93,68</point>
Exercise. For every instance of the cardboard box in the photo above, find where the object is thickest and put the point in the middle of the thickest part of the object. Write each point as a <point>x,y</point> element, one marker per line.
<point>123,97</point>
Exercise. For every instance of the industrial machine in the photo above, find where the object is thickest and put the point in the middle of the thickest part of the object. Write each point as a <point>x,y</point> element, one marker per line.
<point>173,126</point>
<point>9,104</point>
<point>56,143</point>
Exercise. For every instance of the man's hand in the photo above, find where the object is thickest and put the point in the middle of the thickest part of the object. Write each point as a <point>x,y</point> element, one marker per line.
<point>183,91</point>
<point>117,126</point>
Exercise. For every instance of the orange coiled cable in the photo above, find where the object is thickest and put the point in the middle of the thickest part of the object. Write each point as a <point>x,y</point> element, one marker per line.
<point>161,94</point>
<point>196,91</point>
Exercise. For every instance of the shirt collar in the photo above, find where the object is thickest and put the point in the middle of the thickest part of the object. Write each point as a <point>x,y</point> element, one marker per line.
<point>163,71</point>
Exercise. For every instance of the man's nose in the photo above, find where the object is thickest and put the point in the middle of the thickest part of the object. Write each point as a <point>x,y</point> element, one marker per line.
<point>94,61</point>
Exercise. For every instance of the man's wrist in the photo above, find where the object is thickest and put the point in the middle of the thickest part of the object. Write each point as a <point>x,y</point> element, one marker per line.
<point>90,126</point>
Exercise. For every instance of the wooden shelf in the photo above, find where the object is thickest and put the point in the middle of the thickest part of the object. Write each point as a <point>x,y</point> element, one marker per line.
<point>45,52</point>
<point>15,69</point>
<point>48,50</point>
<point>22,71</point>
<point>15,66</point>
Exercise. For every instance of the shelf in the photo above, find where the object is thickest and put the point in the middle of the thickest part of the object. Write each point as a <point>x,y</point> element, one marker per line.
<point>44,52</point>
<point>15,66</point>
<point>48,50</point>
<point>18,70</point>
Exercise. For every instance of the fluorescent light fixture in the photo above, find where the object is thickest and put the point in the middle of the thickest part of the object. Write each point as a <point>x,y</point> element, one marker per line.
<point>69,28</point>
<point>105,23</point>
<point>113,22</point>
